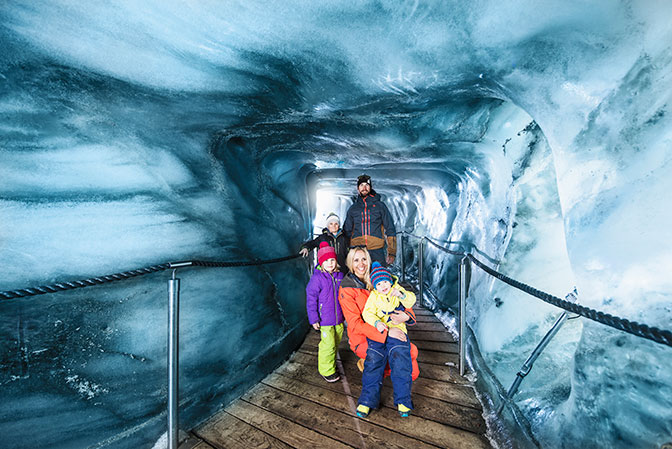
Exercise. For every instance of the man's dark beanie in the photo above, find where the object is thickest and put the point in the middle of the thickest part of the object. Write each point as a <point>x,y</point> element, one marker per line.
<point>364,179</point>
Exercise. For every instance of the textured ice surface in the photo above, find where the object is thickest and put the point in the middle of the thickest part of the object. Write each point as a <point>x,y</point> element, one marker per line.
<point>537,136</point>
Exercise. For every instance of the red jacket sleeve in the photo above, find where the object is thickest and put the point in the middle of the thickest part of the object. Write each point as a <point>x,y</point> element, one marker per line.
<point>353,315</point>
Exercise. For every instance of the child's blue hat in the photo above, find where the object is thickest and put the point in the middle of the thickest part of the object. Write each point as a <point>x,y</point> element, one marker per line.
<point>379,274</point>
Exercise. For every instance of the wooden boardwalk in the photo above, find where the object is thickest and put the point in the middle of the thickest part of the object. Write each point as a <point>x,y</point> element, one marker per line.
<point>293,407</point>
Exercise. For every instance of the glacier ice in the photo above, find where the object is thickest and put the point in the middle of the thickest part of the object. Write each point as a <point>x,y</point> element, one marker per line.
<point>536,136</point>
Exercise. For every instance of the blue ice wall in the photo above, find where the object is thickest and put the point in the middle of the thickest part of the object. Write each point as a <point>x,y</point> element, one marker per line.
<point>134,134</point>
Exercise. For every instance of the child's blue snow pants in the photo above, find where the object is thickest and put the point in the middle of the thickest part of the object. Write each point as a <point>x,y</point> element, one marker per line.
<point>398,354</point>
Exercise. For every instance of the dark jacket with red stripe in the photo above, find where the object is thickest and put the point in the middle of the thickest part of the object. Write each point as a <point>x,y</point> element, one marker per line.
<point>368,222</point>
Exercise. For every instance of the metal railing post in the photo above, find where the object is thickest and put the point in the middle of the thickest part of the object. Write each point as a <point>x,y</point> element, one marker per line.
<point>401,260</point>
<point>529,363</point>
<point>173,360</point>
<point>462,291</point>
<point>421,287</point>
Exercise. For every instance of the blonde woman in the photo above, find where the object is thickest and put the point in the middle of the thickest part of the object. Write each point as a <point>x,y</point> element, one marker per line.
<point>353,294</point>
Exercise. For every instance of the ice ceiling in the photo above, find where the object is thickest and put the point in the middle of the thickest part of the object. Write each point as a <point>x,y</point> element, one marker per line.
<point>136,133</point>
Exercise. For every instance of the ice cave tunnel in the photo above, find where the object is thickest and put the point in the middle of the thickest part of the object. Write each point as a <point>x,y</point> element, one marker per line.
<point>537,133</point>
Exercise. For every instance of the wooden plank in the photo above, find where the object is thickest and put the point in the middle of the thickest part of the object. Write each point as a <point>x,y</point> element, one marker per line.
<point>426,318</point>
<point>446,391</point>
<point>430,336</point>
<point>438,358</point>
<point>304,366</point>
<point>345,427</point>
<point>448,413</point>
<point>420,389</point>
<point>225,431</point>
<point>443,373</point>
<point>422,311</point>
<point>427,370</point>
<point>279,427</point>
<point>202,445</point>
<point>193,442</point>
<point>419,429</point>
<point>435,326</point>
<point>460,417</point>
<point>438,346</point>
<point>295,407</point>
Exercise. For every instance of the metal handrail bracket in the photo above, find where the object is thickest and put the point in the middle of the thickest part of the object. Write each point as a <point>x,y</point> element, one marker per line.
<point>462,287</point>
<point>421,287</point>
<point>173,360</point>
<point>529,363</point>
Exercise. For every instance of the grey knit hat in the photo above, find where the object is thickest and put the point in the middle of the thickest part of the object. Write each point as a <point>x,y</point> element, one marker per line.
<point>333,218</point>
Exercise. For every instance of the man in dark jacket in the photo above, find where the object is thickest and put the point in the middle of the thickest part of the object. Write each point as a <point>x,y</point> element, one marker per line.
<point>333,235</point>
<point>369,223</point>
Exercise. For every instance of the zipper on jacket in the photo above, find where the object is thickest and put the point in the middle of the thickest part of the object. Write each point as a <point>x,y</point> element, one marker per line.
<point>333,282</point>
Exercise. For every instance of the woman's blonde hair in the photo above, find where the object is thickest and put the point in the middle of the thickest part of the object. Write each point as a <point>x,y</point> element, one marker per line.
<point>350,263</point>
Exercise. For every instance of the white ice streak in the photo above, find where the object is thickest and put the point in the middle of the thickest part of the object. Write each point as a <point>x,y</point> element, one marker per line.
<point>91,238</point>
<point>92,168</point>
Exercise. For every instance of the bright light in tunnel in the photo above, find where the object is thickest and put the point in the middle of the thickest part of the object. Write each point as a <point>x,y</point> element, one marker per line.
<point>327,200</point>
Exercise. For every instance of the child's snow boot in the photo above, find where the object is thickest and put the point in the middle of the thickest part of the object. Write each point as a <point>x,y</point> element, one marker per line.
<point>403,410</point>
<point>363,411</point>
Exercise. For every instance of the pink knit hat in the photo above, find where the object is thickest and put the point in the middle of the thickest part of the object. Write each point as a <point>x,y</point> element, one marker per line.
<point>325,252</point>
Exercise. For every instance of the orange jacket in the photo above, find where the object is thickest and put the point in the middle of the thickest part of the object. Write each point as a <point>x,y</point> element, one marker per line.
<point>353,296</point>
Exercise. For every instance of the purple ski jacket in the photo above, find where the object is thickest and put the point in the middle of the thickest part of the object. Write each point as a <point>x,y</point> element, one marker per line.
<point>322,298</point>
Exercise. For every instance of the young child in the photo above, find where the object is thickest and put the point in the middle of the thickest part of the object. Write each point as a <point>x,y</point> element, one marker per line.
<point>324,310</point>
<point>333,235</point>
<point>386,297</point>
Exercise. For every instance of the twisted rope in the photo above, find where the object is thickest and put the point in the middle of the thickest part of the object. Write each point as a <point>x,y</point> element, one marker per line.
<point>632,327</point>
<point>202,263</point>
<point>62,286</point>
<point>445,250</point>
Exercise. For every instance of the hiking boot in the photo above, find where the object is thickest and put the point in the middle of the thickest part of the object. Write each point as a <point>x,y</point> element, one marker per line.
<point>332,377</point>
<point>360,365</point>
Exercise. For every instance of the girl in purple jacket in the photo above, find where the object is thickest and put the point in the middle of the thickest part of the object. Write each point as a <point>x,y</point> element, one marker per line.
<point>324,310</point>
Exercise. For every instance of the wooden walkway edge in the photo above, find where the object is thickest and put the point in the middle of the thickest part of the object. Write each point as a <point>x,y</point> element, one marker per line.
<point>294,407</point>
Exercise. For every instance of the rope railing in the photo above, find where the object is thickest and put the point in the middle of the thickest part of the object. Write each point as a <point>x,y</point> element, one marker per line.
<point>640,330</point>
<point>462,252</point>
<point>632,327</point>
<point>449,242</point>
<point>63,286</point>
<point>173,315</point>
<point>446,250</point>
